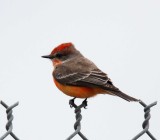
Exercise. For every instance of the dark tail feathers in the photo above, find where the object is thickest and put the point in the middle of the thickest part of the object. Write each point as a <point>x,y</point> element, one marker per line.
<point>124,96</point>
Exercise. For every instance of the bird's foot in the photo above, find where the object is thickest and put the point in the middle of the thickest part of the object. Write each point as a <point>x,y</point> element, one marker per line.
<point>84,103</point>
<point>71,102</point>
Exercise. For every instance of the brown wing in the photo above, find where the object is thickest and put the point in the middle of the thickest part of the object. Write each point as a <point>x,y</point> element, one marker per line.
<point>87,77</point>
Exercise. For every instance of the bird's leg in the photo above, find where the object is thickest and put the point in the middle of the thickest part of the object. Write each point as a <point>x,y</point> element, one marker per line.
<point>85,103</point>
<point>71,102</point>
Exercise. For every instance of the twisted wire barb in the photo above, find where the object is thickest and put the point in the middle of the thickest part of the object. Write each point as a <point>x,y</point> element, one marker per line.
<point>10,117</point>
<point>145,124</point>
<point>77,125</point>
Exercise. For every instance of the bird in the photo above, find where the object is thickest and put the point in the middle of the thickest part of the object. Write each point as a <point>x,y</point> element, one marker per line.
<point>78,77</point>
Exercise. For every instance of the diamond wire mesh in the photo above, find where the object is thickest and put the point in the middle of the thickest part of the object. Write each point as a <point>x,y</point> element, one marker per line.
<point>77,125</point>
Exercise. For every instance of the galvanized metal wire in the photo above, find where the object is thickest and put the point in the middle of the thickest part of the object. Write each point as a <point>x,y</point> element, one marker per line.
<point>77,125</point>
<point>9,126</point>
<point>145,124</point>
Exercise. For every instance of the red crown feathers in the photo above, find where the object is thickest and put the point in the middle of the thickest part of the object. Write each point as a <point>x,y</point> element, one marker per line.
<point>61,47</point>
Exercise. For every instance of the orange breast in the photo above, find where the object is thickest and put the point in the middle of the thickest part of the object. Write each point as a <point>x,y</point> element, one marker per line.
<point>78,92</point>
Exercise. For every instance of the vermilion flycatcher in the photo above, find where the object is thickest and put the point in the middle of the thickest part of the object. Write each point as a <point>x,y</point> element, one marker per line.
<point>78,77</point>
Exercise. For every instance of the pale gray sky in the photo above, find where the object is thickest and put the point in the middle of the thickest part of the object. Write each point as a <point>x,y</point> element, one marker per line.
<point>121,37</point>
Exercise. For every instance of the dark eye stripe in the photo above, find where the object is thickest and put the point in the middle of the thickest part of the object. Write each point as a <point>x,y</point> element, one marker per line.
<point>58,55</point>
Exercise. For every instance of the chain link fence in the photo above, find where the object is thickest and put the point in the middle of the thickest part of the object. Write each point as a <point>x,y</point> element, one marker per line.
<point>77,125</point>
<point>9,126</point>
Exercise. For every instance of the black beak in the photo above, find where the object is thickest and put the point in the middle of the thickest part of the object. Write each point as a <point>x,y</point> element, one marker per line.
<point>48,56</point>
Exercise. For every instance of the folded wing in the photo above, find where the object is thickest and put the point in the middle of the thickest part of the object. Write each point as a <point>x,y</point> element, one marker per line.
<point>93,78</point>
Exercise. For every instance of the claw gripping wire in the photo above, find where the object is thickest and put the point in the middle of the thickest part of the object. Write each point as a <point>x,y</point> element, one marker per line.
<point>77,125</point>
<point>9,125</point>
<point>145,124</point>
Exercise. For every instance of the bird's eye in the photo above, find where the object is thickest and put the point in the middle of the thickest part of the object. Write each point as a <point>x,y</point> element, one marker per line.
<point>58,55</point>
